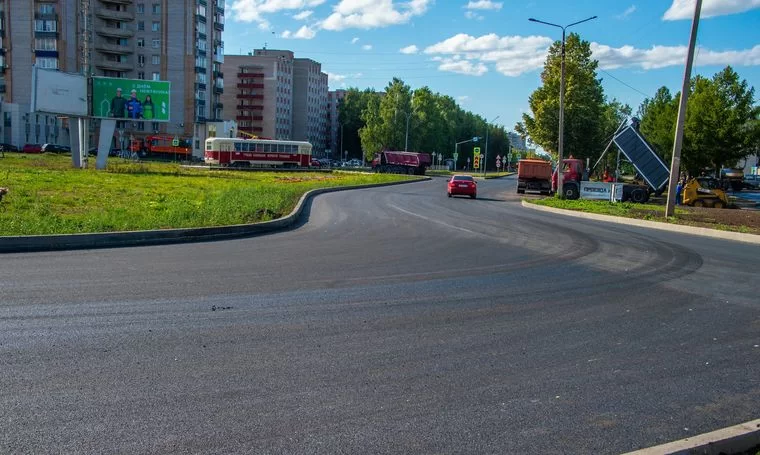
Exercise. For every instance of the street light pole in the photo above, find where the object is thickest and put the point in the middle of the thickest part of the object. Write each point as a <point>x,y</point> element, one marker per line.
<point>485,158</point>
<point>406,142</point>
<point>561,140</point>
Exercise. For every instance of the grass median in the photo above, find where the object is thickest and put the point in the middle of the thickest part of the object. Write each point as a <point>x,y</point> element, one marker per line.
<point>746,221</point>
<point>47,196</point>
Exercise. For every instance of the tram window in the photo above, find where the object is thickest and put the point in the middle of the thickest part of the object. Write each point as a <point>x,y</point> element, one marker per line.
<point>238,146</point>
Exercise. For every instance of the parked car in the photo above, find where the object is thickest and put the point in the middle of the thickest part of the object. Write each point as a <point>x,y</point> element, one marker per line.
<point>54,148</point>
<point>752,182</point>
<point>462,184</point>
<point>32,148</point>
<point>315,163</point>
<point>8,148</point>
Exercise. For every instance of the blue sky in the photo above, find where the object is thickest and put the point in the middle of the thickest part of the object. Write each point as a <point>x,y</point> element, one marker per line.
<point>486,53</point>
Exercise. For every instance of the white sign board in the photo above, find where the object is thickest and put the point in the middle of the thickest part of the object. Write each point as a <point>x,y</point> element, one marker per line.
<point>55,92</point>
<point>596,190</point>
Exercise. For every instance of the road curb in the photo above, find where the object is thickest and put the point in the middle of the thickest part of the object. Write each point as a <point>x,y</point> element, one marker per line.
<point>704,232</point>
<point>731,440</point>
<point>23,244</point>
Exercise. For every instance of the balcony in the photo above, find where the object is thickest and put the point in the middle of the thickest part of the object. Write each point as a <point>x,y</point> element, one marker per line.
<point>219,74</point>
<point>249,85</point>
<point>200,86</point>
<point>248,107</point>
<point>218,89</point>
<point>253,118</point>
<point>122,32</point>
<point>250,97</point>
<point>112,14</point>
<point>118,2</point>
<point>218,106</point>
<point>219,26</point>
<point>113,65</point>
<point>46,16</point>
<point>114,48</point>
<point>249,75</point>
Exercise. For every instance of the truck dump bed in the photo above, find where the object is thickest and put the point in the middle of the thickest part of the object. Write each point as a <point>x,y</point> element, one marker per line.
<point>534,169</point>
<point>644,159</point>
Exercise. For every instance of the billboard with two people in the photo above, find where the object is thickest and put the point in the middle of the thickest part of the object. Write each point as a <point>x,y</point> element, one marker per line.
<point>133,99</point>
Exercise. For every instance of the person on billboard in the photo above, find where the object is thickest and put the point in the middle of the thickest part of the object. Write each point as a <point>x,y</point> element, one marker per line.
<point>118,103</point>
<point>134,107</point>
<point>147,108</point>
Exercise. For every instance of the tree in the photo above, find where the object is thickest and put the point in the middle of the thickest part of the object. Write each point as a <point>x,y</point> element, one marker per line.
<point>585,106</point>
<point>350,118</point>
<point>721,124</point>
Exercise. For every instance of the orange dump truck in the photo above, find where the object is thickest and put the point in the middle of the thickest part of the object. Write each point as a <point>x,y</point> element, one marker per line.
<point>534,175</point>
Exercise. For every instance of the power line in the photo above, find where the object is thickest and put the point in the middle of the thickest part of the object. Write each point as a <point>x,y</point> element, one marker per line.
<point>624,83</point>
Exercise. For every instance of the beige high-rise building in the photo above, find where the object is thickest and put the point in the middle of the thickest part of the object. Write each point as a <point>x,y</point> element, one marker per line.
<point>175,40</point>
<point>279,96</point>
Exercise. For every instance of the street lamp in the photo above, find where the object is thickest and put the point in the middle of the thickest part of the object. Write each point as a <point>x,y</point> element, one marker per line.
<point>561,99</point>
<point>485,158</point>
<point>406,141</point>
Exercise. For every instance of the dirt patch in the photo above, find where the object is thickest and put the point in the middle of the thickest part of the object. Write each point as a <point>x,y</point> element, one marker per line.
<point>726,219</point>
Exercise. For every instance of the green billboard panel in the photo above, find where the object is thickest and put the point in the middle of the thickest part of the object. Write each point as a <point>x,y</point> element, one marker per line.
<point>133,99</point>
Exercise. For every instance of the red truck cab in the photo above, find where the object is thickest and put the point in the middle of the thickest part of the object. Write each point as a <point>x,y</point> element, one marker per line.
<point>572,171</point>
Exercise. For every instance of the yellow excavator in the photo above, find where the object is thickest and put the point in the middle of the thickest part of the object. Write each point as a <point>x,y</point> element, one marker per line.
<point>696,195</point>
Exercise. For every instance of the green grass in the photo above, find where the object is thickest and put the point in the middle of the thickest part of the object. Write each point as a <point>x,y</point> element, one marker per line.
<point>48,196</point>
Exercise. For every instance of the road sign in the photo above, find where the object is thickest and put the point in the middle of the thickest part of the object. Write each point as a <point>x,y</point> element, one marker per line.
<point>175,142</point>
<point>476,150</point>
<point>456,156</point>
<point>476,161</point>
<point>498,157</point>
<point>498,163</point>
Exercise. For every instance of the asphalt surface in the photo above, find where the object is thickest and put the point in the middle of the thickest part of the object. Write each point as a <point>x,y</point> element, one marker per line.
<point>392,320</point>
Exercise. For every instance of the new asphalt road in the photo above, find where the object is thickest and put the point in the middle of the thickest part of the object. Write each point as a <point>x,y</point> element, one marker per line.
<point>392,320</point>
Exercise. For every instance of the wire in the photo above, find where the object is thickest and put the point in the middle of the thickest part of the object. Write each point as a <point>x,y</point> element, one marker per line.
<point>624,83</point>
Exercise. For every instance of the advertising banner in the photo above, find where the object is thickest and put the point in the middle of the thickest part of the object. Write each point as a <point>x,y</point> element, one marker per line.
<point>56,92</point>
<point>132,99</point>
<point>596,190</point>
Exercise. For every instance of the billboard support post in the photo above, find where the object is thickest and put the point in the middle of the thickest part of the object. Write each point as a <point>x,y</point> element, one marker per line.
<point>107,127</point>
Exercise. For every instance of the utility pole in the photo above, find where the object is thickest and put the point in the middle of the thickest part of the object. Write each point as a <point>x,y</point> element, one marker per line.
<point>675,163</point>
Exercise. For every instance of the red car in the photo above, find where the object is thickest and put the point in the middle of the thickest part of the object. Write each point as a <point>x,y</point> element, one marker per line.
<point>464,185</point>
<point>32,148</point>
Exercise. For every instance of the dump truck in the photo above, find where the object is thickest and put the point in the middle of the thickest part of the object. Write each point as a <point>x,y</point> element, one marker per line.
<point>393,162</point>
<point>575,185</point>
<point>534,175</point>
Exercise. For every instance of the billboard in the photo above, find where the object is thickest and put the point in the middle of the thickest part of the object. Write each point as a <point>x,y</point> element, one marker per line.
<point>133,99</point>
<point>55,92</point>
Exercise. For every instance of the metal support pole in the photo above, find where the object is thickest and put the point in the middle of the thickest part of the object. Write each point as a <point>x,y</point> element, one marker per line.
<point>560,147</point>
<point>406,142</point>
<point>675,164</point>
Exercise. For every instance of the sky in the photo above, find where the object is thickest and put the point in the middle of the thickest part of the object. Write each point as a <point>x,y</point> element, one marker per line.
<point>487,54</point>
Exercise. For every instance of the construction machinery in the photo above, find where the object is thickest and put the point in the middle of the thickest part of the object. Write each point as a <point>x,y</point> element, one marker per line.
<point>696,195</point>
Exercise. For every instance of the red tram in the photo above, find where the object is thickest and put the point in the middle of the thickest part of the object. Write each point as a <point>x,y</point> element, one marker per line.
<point>236,152</point>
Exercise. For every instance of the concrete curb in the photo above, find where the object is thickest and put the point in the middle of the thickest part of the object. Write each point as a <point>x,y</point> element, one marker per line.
<point>704,232</point>
<point>21,244</point>
<point>731,440</point>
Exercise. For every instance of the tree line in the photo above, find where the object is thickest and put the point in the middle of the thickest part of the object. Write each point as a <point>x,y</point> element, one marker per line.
<point>372,121</point>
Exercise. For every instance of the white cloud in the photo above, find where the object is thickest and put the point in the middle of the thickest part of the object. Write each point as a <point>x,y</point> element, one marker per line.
<point>303,15</point>
<point>463,67</point>
<point>516,55</point>
<point>630,10</point>
<point>367,47</point>
<point>412,49</point>
<point>684,9</point>
<point>254,10</point>
<point>663,56</point>
<point>341,78</point>
<point>463,99</point>
<point>304,32</point>
<point>472,15</point>
<point>355,40</point>
<point>484,4</point>
<point>368,14</point>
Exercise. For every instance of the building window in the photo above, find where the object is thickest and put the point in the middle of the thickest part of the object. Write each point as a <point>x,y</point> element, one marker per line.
<point>140,42</point>
<point>156,8</point>
<point>156,76</point>
<point>156,43</point>
<point>47,8</point>
<point>141,60</point>
<point>140,8</point>
<point>155,59</point>
<point>202,10</point>
<point>140,25</point>
<point>47,62</point>
<point>141,74</point>
<point>156,26</point>
<point>45,26</point>
<point>45,44</point>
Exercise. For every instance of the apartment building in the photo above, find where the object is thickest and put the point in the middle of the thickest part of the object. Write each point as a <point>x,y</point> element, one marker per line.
<point>175,40</point>
<point>277,95</point>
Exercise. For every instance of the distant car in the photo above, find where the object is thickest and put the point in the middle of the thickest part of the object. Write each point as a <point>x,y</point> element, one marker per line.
<point>752,182</point>
<point>54,148</point>
<point>8,148</point>
<point>32,148</point>
<point>355,163</point>
<point>315,163</point>
<point>463,185</point>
